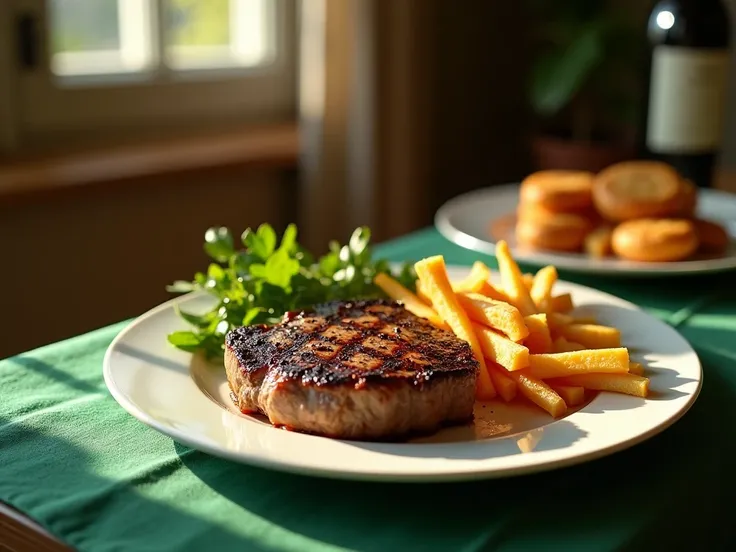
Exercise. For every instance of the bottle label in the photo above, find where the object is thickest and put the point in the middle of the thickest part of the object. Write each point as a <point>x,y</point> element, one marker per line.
<point>687,99</point>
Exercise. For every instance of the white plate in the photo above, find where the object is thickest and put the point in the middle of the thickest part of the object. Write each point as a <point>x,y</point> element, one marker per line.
<point>465,221</point>
<point>188,400</point>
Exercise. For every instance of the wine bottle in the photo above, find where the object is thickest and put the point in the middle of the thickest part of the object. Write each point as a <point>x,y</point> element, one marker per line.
<point>687,75</point>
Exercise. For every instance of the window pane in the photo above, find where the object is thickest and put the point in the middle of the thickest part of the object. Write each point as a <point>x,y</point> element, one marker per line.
<point>80,25</point>
<point>99,36</point>
<point>199,22</point>
<point>211,34</point>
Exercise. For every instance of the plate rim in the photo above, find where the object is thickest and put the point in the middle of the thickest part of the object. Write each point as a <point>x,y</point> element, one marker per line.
<point>280,465</point>
<point>443,224</point>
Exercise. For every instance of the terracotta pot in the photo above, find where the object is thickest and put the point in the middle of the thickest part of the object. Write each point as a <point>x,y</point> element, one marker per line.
<point>557,153</point>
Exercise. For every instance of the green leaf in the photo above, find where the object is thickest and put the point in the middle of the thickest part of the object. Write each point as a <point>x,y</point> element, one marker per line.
<point>280,268</point>
<point>350,273</point>
<point>221,328</point>
<point>259,284</point>
<point>201,321</point>
<point>248,237</point>
<point>345,275</point>
<point>561,73</point>
<point>306,291</point>
<point>216,272</point>
<point>260,243</point>
<point>382,265</point>
<point>218,243</point>
<point>268,237</point>
<point>187,341</point>
<point>250,315</point>
<point>408,276</point>
<point>329,264</point>
<point>305,258</point>
<point>254,245</point>
<point>241,262</point>
<point>272,298</point>
<point>359,240</point>
<point>258,270</point>
<point>288,240</point>
<point>181,286</point>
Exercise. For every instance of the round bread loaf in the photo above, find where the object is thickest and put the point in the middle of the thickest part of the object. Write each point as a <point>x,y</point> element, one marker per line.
<point>713,237</point>
<point>688,199</point>
<point>558,190</point>
<point>560,232</point>
<point>638,189</point>
<point>655,240</point>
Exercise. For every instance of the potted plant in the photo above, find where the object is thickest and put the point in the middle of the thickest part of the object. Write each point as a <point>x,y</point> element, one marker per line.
<point>583,84</point>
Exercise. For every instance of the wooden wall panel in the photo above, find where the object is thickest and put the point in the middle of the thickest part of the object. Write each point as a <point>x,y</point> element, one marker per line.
<point>481,118</point>
<point>72,265</point>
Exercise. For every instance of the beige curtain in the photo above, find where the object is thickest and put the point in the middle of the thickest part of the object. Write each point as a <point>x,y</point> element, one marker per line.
<point>403,104</point>
<point>363,136</point>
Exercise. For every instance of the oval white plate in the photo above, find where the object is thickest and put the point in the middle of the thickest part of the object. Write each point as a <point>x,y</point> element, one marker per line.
<point>465,221</point>
<point>188,400</point>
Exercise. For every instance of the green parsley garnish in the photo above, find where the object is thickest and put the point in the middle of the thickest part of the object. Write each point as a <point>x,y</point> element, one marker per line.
<point>259,282</point>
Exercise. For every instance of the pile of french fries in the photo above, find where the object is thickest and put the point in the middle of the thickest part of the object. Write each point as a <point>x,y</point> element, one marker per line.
<point>527,340</point>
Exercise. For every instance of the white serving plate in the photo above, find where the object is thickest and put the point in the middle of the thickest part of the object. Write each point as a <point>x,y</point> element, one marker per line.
<point>188,400</point>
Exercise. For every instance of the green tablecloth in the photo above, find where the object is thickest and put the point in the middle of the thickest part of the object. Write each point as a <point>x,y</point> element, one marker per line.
<point>71,458</point>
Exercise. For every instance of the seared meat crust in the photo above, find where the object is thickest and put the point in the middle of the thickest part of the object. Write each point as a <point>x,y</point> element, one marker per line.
<point>362,370</point>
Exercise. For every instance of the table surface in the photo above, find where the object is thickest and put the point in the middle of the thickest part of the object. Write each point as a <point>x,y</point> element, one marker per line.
<point>96,479</point>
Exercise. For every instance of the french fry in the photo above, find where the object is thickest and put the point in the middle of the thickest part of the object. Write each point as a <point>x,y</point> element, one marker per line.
<point>628,384</point>
<point>491,292</point>
<point>473,282</point>
<point>505,386</point>
<point>584,320</point>
<point>562,345</point>
<point>411,302</point>
<point>526,340</point>
<point>592,336</point>
<point>500,349</point>
<point>432,273</point>
<point>482,287</point>
<point>561,303</point>
<point>636,368</point>
<point>498,315</point>
<point>539,393</point>
<point>539,339</point>
<point>572,395</point>
<point>556,320</point>
<point>477,281</point>
<point>420,293</point>
<point>542,285</point>
<point>556,365</point>
<point>513,281</point>
<point>528,280</point>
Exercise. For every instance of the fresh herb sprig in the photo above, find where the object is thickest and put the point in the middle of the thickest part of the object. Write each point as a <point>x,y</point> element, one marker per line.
<point>259,282</point>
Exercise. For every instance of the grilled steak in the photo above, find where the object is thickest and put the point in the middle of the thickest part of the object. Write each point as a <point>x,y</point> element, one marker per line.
<point>354,370</point>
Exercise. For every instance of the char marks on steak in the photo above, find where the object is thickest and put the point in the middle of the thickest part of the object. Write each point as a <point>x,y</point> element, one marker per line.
<point>353,370</point>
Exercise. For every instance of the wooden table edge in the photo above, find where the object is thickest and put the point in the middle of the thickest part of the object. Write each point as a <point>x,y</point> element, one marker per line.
<point>19,533</point>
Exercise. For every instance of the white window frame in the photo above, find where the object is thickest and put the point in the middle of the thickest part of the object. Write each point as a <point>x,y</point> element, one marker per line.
<point>42,107</point>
